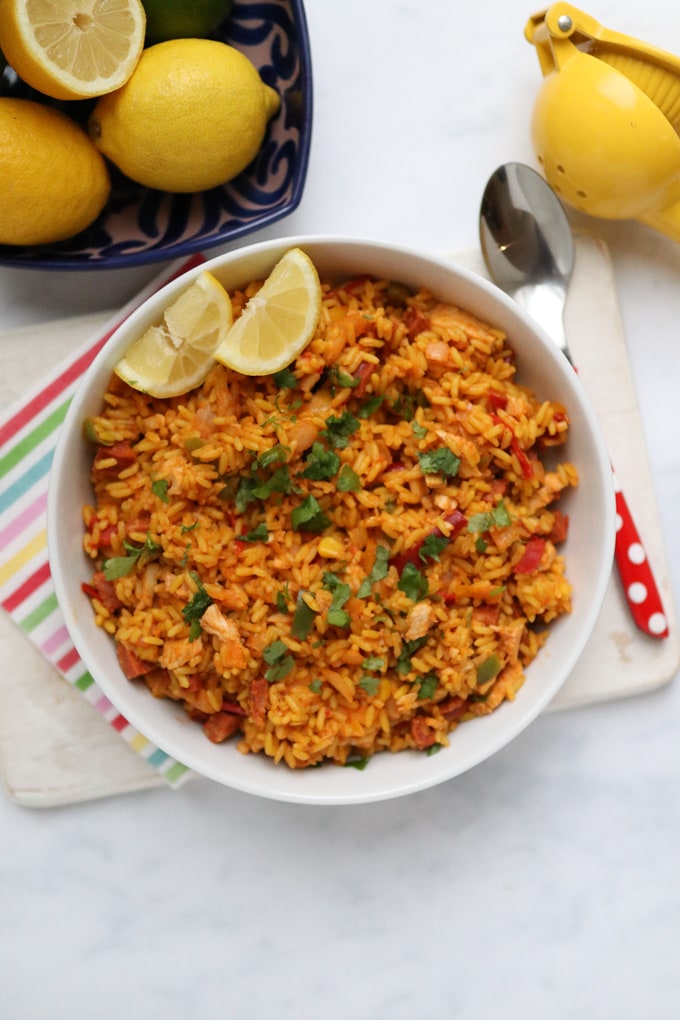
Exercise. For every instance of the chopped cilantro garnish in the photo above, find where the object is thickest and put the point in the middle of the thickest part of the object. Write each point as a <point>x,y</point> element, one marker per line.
<point>282,598</point>
<point>279,660</point>
<point>188,527</point>
<point>275,455</point>
<point>480,545</point>
<point>427,685</point>
<point>337,616</point>
<point>285,379</point>
<point>274,652</point>
<point>303,619</point>
<point>413,583</point>
<point>373,662</point>
<point>378,571</point>
<point>279,481</point>
<point>434,749</point>
<point>160,489</point>
<point>321,465</point>
<point>338,430</point>
<point>258,534</point>
<point>121,566</point>
<point>279,670</point>
<point>418,430</point>
<point>432,546</point>
<point>194,610</point>
<point>309,516</point>
<point>348,480</point>
<point>339,378</point>
<point>315,685</point>
<point>245,493</point>
<point>370,684</point>
<point>408,650</point>
<point>370,406</point>
<point>439,462</point>
<point>496,518</point>
<point>356,763</point>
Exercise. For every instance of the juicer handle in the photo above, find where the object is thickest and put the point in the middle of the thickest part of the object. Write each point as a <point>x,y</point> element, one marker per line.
<point>666,221</point>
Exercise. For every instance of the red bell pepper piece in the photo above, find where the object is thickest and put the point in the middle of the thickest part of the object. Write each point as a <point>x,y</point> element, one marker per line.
<point>524,462</point>
<point>533,553</point>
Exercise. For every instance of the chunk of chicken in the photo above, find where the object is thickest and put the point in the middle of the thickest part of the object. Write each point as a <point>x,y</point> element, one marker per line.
<point>231,653</point>
<point>420,619</point>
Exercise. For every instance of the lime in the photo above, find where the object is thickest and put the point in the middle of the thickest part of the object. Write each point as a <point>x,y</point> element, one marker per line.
<point>183,19</point>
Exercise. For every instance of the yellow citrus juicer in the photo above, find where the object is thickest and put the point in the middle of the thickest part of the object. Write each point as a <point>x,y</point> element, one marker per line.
<point>606,121</point>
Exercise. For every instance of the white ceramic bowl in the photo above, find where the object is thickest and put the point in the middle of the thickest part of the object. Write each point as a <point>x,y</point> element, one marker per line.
<point>588,551</point>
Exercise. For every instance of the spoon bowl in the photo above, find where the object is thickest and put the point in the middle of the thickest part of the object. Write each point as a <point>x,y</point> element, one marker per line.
<point>528,245</point>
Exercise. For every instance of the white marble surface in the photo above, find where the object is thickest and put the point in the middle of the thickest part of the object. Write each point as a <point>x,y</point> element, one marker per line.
<point>545,883</point>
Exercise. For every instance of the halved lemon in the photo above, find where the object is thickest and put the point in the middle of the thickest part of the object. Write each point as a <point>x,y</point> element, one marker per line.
<point>72,49</point>
<point>278,322</point>
<point>171,358</point>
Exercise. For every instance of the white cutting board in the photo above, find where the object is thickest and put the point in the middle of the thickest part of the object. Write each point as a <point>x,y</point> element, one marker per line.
<point>56,749</point>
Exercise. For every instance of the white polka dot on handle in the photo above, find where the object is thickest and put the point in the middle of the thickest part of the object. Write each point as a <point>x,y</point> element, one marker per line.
<point>636,553</point>
<point>619,522</point>
<point>637,592</point>
<point>657,623</point>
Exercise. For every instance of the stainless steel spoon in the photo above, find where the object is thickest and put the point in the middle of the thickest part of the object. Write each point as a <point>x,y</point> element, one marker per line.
<point>528,248</point>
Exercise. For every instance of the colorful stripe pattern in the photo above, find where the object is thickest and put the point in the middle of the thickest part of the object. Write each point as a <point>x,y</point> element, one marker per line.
<point>28,436</point>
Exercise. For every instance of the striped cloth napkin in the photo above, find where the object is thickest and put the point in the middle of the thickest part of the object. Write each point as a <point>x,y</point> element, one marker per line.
<point>28,436</point>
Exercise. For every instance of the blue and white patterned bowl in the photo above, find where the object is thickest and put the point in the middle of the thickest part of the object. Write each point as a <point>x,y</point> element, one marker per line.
<point>140,225</point>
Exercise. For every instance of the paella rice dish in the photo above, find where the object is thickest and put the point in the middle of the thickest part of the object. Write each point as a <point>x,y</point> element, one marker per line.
<point>356,554</point>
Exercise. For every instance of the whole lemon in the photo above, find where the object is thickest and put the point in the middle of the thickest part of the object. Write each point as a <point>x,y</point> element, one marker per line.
<point>53,181</point>
<point>192,116</point>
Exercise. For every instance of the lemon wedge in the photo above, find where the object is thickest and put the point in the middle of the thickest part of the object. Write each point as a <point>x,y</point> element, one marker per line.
<point>171,358</point>
<point>278,322</point>
<point>72,49</point>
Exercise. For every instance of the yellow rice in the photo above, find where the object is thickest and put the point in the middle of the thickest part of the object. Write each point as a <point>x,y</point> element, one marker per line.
<point>286,658</point>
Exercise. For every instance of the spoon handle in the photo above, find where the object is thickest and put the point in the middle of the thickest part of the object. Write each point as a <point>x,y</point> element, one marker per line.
<point>639,586</point>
